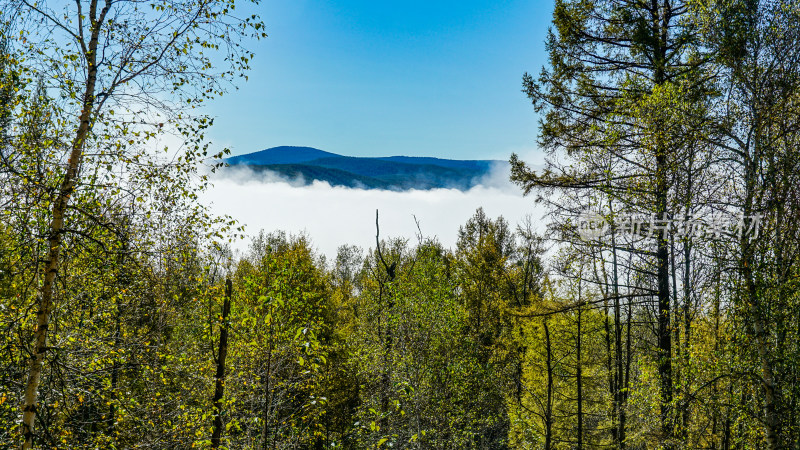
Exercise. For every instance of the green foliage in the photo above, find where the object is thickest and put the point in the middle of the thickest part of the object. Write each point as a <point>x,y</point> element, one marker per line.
<point>281,328</point>
<point>663,341</point>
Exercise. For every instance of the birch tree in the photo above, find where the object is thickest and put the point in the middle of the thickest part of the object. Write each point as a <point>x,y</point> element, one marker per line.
<point>124,74</point>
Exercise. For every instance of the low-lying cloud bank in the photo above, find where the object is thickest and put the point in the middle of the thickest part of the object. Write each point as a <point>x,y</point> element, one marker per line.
<point>333,216</point>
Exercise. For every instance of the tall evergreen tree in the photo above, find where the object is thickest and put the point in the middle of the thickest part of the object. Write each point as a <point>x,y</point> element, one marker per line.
<point>613,66</point>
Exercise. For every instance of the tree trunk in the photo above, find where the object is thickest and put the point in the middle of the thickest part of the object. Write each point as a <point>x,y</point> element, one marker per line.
<point>548,414</point>
<point>619,407</point>
<point>771,421</point>
<point>579,371</point>
<point>219,388</point>
<point>112,407</point>
<point>267,392</point>
<point>612,385</point>
<point>664,332</point>
<point>660,28</point>
<point>687,336</point>
<point>56,229</point>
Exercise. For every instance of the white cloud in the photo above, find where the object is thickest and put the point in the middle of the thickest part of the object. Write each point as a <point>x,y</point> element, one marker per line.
<point>332,216</point>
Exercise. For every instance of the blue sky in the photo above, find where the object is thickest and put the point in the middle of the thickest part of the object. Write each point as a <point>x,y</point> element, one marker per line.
<point>379,78</point>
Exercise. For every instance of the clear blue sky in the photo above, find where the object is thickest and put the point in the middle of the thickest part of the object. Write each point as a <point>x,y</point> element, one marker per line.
<point>388,77</point>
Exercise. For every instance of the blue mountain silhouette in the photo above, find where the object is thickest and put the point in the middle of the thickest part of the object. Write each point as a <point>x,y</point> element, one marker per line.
<point>280,155</point>
<point>392,172</point>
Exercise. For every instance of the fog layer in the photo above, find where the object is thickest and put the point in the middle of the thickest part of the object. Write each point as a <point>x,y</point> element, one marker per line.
<point>332,216</point>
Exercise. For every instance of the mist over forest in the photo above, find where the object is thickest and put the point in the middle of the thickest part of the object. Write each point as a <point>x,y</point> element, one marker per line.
<point>271,202</point>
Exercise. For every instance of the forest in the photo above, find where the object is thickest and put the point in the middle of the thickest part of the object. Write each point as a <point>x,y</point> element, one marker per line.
<point>660,309</point>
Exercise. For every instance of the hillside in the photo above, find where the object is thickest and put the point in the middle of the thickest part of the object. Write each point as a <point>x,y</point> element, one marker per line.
<point>280,155</point>
<point>392,172</point>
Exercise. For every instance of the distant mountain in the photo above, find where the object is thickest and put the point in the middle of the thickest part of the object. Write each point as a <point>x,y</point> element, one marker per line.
<point>280,155</point>
<point>450,163</point>
<point>392,172</point>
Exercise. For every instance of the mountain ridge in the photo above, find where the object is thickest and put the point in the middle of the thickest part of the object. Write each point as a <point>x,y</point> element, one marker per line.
<point>388,172</point>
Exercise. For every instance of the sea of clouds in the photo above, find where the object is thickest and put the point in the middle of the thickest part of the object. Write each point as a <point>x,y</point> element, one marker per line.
<point>331,216</point>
